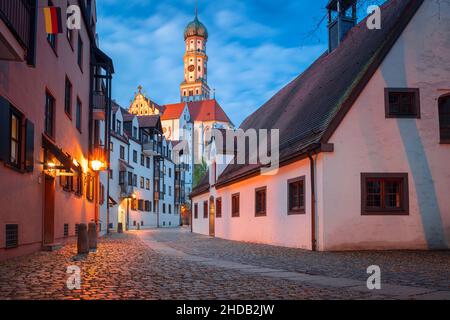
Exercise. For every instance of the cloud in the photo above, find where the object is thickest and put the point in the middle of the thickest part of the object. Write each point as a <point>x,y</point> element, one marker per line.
<point>248,61</point>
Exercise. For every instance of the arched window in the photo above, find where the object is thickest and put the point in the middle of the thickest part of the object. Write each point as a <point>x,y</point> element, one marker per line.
<point>444,119</point>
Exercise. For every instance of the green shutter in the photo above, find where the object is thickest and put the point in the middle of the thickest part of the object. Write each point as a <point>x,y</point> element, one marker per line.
<point>29,146</point>
<point>5,118</point>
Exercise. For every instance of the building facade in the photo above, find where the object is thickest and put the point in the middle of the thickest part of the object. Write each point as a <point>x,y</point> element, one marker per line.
<point>54,98</point>
<point>363,146</point>
<point>142,174</point>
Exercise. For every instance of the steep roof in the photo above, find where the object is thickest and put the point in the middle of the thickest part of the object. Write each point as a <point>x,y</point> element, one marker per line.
<point>173,111</point>
<point>149,121</point>
<point>207,110</point>
<point>309,109</point>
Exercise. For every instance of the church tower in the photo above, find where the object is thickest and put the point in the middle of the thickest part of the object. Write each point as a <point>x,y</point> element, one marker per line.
<point>195,85</point>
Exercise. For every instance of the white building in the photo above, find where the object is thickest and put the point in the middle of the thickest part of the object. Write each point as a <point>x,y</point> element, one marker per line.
<point>142,176</point>
<point>364,148</point>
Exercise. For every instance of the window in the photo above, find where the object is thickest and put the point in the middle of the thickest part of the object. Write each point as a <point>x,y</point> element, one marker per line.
<point>164,208</point>
<point>122,178</point>
<point>260,202</point>
<point>49,115</point>
<point>147,184</point>
<point>148,163</point>
<point>15,141</point>
<point>142,182</point>
<point>141,205</point>
<point>196,211</point>
<point>205,209</point>
<point>384,194</point>
<point>444,119</point>
<point>68,98</point>
<point>402,103</point>
<point>135,132</point>
<point>135,180</point>
<point>235,205</point>
<point>122,152</point>
<point>11,236</point>
<point>111,174</point>
<point>296,196</point>
<point>147,206</point>
<point>130,178</point>
<point>66,183</point>
<point>80,52</point>
<point>170,209</point>
<point>78,115</point>
<point>118,126</point>
<point>142,160</point>
<point>135,158</point>
<point>111,146</point>
<point>66,230</point>
<point>78,185</point>
<point>101,199</point>
<point>134,204</point>
<point>219,207</point>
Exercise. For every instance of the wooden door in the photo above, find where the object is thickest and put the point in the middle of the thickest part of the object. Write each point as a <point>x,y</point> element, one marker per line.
<point>49,210</point>
<point>212,217</point>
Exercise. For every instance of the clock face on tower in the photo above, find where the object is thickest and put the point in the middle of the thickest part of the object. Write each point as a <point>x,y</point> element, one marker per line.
<point>191,68</point>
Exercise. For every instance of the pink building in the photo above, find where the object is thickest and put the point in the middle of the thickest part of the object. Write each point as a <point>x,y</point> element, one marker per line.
<point>54,99</point>
<point>364,148</point>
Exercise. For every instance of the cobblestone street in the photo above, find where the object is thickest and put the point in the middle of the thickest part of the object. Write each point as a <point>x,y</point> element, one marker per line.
<point>175,264</point>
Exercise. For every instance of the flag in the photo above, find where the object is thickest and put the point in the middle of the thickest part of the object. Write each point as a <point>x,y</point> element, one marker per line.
<point>53,22</point>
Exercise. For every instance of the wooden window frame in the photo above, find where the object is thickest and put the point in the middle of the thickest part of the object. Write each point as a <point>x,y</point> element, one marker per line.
<point>262,213</point>
<point>19,141</point>
<point>68,108</point>
<point>234,213</point>
<point>219,208</point>
<point>302,209</point>
<point>50,97</point>
<point>416,105</point>
<point>122,152</point>
<point>382,211</point>
<point>79,115</point>
<point>80,51</point>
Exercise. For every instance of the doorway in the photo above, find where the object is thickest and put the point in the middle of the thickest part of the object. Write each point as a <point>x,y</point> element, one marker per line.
<point>49,210</point>
<point>212,217</point>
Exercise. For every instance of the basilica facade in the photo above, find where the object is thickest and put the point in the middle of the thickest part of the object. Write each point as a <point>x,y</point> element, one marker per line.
<point>187,123</point>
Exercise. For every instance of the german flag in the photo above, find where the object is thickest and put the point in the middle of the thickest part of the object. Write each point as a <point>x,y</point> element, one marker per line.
<point>53,22</point>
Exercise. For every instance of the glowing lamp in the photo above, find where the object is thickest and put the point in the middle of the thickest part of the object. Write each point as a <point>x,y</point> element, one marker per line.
<point>96,165</point>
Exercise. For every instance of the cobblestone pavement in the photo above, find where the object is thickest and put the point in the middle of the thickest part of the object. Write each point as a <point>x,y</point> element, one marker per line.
<point>430,269</point>
<point>128,267</point>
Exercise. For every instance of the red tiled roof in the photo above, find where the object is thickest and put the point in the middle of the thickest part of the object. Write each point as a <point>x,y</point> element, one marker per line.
<point>208,110</point>
<point>173,111</point>
<point>309,109</point>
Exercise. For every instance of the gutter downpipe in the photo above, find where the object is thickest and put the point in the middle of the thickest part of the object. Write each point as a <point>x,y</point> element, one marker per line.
<point>313,202</point>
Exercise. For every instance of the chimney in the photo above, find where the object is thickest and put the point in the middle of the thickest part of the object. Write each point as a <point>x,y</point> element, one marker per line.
<point>341,18</point>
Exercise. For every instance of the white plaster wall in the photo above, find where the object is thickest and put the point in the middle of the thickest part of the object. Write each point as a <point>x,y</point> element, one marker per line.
<point>368,142</point>
<point>277,228</point>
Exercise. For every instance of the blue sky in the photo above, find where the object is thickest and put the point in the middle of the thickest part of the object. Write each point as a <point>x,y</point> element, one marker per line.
<point>255,47</point>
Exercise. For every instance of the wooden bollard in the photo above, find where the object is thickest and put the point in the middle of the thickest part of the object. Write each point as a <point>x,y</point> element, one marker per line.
<point>92,234</point>
<point>83,240</point>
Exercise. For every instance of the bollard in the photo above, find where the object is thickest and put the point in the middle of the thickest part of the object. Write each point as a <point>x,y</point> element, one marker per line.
<point>83,241</point>
<point>119,228</point>
<point>92,233</point>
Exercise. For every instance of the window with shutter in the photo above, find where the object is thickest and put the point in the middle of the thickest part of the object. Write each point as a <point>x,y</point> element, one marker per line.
<point>4,129</point>
<point>29,146</point>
